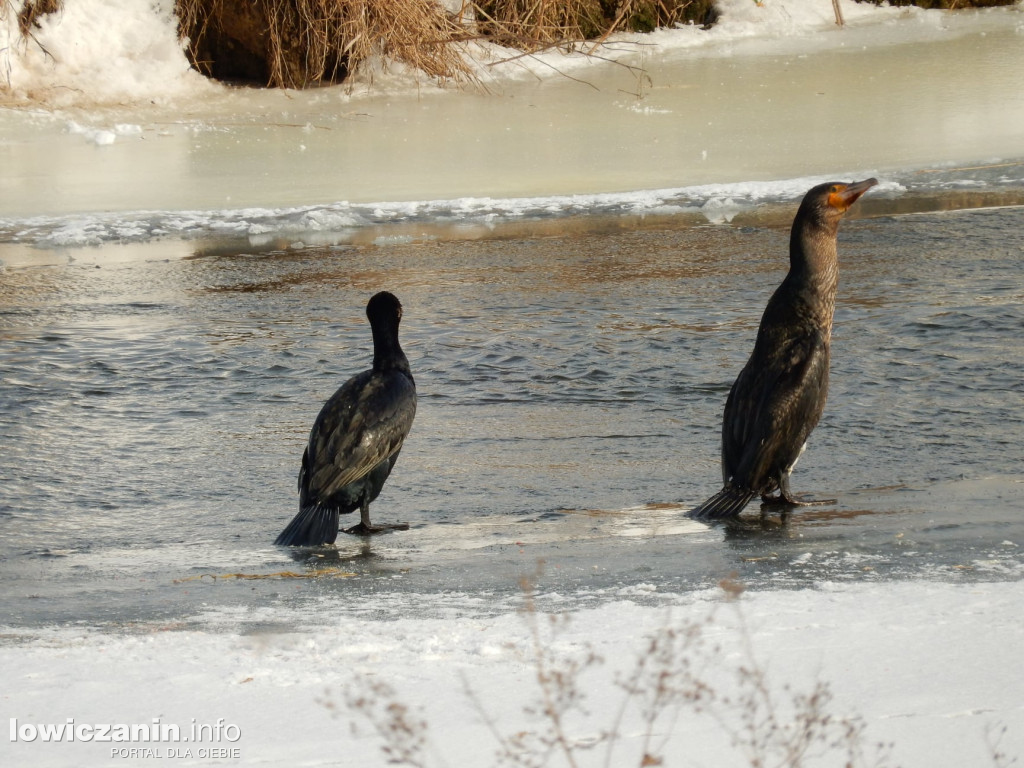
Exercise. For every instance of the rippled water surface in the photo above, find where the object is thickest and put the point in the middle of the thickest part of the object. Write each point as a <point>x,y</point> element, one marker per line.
<point>153,413</point>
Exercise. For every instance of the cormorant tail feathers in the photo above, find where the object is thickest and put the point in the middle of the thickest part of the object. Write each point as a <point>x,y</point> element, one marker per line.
<point>728,502</point>
<point>314,525</point>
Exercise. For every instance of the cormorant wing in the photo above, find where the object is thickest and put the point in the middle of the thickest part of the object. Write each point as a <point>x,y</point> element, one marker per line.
<point>363,424</point>
<point>777,404</point>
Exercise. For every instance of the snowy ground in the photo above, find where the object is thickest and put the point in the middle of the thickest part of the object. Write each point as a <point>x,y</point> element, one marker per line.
<point>117,51</point>
<point>930,669</point>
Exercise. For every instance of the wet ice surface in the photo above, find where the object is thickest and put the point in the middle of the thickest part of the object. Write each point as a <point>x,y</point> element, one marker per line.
<point>571,391</point>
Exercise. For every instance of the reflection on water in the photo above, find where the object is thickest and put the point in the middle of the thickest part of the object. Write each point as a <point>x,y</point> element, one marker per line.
<point>152,416</point>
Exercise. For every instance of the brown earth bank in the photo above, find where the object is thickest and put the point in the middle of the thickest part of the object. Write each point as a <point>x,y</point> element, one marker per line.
<point>305,43</point>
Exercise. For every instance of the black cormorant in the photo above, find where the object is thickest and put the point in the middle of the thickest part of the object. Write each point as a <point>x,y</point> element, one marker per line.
<point>780,394</point>
<point>355,440</point>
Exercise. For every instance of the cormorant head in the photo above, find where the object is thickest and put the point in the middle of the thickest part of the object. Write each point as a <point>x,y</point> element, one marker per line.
<point>826,203</point>
<point>384,308</point>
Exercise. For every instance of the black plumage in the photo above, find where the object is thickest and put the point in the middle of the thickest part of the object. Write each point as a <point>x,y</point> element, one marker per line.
<point>356,438</point>
<point>780,394</point>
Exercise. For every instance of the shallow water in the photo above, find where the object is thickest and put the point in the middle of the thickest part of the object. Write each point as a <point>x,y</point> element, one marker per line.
<point>152,416</point>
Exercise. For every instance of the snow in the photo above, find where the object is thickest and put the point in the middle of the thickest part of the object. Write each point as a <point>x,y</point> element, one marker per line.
<point>123,51</point>
<point>99,51</point>
<point>929,668</point>
<point>716,202</point>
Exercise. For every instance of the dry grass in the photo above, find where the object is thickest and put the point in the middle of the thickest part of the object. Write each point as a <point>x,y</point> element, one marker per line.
<point>301,43</point>
<point>309,42</point>
<point>533,24</point>
<point>403,733</point>
<point>669,679</point>
<point>28,16</point>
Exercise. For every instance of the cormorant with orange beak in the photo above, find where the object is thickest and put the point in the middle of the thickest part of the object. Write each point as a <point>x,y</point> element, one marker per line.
<point>780,394</point>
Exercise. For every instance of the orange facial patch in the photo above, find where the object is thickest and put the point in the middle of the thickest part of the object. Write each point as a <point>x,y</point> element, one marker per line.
<point>836,199</point>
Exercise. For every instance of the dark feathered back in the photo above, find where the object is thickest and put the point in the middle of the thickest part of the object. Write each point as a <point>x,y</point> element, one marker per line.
<point>356,438</point>
<point>780,393</point>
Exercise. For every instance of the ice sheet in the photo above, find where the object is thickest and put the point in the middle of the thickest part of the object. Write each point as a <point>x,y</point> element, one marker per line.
<point>773,93</point>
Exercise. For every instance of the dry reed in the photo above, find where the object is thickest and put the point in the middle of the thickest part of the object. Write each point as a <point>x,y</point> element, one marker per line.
<point>667,680</point>
<point>300,43</point>
<point>533,24</point>
<point>28,16</point>
<point>309,42</point>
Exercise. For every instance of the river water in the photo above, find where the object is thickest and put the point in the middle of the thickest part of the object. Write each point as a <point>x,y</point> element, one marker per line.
<point>573,331</point>
<point>571,388</point>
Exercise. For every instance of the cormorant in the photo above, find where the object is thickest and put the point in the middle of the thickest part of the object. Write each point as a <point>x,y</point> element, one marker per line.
<point>780,394</point>
<point>355,440</point>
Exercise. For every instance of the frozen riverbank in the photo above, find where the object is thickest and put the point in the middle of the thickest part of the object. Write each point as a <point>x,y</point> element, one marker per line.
<point>775,94</point>
<point>929,668</point>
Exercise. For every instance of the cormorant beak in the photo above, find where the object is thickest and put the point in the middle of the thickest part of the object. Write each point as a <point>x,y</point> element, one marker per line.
<point>842,196</point>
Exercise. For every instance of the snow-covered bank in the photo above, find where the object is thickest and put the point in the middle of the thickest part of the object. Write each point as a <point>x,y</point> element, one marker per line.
<point>111,52</point>
<point>931,668</point>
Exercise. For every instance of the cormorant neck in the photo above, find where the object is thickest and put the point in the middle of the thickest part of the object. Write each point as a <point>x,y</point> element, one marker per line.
<point>814,265</point>
<point>387,352</point>
<point>812,250</point>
